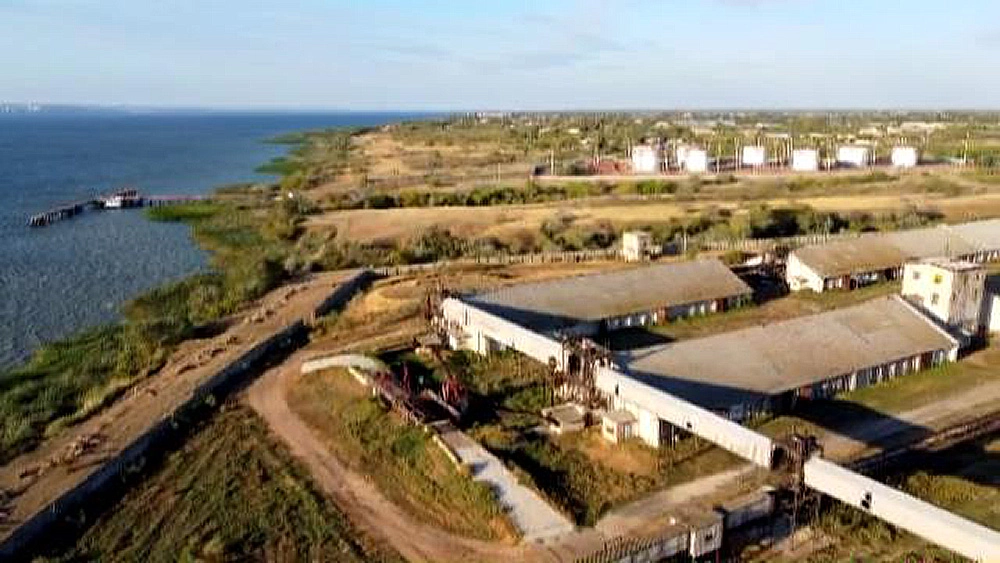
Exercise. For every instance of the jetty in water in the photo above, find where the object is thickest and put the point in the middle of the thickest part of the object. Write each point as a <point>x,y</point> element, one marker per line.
<point>121,199</point>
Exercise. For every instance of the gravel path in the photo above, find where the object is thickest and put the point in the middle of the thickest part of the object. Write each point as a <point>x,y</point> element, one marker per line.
<point>534,518</point>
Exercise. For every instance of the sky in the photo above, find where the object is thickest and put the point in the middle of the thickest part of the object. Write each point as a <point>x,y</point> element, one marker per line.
<point>503,55</point>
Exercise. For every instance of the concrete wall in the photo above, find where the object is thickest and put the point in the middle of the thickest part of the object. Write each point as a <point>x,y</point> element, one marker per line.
<point>645,159</point>
<point>805,160</point>
<point>344,292</point>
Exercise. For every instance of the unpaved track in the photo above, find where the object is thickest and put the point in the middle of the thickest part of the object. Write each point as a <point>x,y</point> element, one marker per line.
<point>899,428</point>
<point>355,494</point>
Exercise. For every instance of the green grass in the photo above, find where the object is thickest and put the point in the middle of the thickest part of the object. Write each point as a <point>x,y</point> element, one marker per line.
<point>230,494</point>
<point>580,473</point>
<point>62,382</point>
<point>183,211</point>
<point>925,387</point>
<point>279,166</point>
<point>842,298</point>
<point>399,457</point>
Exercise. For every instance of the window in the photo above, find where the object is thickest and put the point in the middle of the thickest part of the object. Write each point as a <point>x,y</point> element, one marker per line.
<point>916,275</point>
<point>938,278</point>
<point>935,298</point>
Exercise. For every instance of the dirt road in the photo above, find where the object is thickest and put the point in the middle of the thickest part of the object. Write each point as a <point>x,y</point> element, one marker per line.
<point>357,496</point>
<point>855,440</point>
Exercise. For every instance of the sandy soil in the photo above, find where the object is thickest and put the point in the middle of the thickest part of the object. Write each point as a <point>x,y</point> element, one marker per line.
<point>37,478</point>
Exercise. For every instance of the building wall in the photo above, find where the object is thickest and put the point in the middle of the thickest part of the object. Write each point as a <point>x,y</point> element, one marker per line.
<point>650,405</point>
<point>954,297</point>
<point>799,276</point>
<point>991,313</point>
<point>636,246</point>
<point>668,314</point>
<point>696,161</point>
<point>472,329</point>
<point>753,156</point>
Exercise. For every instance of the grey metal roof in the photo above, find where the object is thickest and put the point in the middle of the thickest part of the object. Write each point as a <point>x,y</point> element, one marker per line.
<point>569,301</point>
<point>740,366</point>
<point>866,253</point>
<point>880,251</point>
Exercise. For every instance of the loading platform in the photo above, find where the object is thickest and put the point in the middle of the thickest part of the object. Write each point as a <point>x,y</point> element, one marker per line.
<point>120,199</point>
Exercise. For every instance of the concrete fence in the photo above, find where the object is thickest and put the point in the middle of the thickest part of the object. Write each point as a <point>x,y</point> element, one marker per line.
<point>767,244</point>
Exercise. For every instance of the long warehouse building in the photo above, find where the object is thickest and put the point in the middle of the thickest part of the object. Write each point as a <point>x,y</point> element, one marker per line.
<point>874,257</point>
<point>766,369</point>
<point>589,304</point>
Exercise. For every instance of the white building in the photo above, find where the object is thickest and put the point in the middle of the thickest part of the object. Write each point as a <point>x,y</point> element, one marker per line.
<point>904,157</point>
<point>854,155</point>
<point>872,257</point>
<point>950,290</point>
<point>645,159</point>
<point>805,160</point>
<point>753,156</point>
<point>695,161</point>
<point>638,246</point>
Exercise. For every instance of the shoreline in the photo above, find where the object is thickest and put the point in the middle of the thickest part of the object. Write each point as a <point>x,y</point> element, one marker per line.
<point>69,379</point>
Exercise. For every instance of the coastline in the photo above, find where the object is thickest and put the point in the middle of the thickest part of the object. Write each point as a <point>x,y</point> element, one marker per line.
<point>67,380</point>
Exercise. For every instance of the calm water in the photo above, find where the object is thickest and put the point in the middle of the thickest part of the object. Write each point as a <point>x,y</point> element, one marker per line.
<point>77,273</point>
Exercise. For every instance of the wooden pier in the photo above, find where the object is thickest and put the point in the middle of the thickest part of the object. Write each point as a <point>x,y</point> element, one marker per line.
<point>121,199</point>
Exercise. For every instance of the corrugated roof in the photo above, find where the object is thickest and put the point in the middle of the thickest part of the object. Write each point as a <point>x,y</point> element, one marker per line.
<point>881,251</point>
<point>734,367</point>
<point>565,302</point>
<point>864,254</point>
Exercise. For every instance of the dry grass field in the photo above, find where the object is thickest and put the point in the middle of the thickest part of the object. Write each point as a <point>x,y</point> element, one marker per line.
<point>507,222</point>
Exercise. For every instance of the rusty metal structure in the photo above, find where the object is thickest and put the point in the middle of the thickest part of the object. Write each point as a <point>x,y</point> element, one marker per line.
<point>581,358</point>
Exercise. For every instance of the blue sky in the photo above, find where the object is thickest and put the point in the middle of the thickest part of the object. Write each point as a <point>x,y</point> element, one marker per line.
<point>492,54</point>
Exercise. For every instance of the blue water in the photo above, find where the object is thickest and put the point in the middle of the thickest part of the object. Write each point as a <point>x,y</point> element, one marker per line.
<point>76,274</point>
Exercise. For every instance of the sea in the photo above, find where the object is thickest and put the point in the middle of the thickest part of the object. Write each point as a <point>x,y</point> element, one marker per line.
<point>76,274</point>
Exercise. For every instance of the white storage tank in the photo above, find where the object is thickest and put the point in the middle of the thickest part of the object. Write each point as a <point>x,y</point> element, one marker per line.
<point>853,155</point>
<point>753,156</point>
<point>805,160</point>
<point>696,161</point>
<point>681,155</point>
<point>904,157</point>
<point>645,159</point>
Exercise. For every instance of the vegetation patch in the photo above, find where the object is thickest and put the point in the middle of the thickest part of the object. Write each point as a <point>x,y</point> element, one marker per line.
<point>401,458</point>
<point>580,473</point>
<point>230,494</point>
<point>67,381</point>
